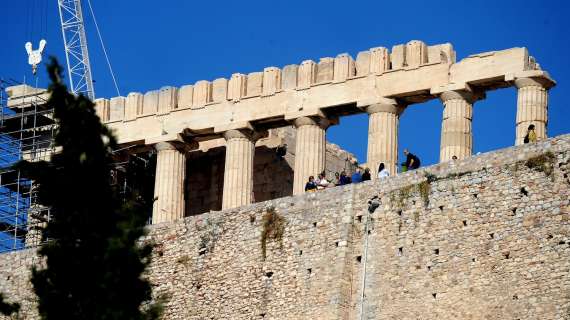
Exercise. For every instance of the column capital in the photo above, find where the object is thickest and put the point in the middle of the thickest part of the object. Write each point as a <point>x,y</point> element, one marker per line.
<point>179,146</point>
<point>161,146</point>
<point>393,108</point>
<point>244,134</point>
<point>312,121</point>
<point>466,95</point>
<point>533,82</point>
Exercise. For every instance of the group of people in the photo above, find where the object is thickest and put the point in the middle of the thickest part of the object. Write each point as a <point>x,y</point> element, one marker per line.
<point>412,162</point>
<point>342,178</point>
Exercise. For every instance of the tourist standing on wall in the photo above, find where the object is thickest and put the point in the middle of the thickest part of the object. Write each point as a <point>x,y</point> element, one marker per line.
<point>366,175</point>
<point>412,161</point>
<point>382,171</point>
<point>530,134</point>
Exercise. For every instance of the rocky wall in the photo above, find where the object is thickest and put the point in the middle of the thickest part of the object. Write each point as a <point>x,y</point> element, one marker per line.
<point>482,238</point>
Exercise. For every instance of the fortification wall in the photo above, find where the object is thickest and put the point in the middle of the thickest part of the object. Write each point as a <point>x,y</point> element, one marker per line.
<point>483,238</point>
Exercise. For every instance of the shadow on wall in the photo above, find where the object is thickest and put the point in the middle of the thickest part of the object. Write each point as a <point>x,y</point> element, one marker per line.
<point>273,178</point>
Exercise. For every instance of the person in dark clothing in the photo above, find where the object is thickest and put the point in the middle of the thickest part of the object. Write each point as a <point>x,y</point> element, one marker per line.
<point>281,151</point>
<point>343,178</point>
<point>530,134</point>
<point>311,185</point>
<point>412,161</point>
<point>366,175</point>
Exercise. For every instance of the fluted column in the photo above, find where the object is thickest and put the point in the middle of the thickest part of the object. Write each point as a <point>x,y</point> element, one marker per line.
<point>532,107</point>
<point>238,172</point>
<point>169,183</point>
<point>456,130</point>
<point>310,150</point>
<point>383,123</point>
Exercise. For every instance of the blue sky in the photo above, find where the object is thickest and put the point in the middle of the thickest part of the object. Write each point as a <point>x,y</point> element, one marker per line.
<point>174,42</point>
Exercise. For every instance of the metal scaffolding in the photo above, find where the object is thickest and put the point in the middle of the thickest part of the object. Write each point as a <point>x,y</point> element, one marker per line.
<point>26,132</point>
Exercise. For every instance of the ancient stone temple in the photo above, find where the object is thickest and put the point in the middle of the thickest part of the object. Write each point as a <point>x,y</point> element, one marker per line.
<point>480,237</point>
<point>238,113</point>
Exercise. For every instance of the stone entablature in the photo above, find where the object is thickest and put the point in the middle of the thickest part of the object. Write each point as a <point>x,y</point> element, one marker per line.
<point>481,238</point>
<point>411,73</point>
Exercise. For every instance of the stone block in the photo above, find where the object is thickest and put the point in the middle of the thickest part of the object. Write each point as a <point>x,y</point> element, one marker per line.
<point>102,109</point>
<point>237,86</point>
<point>416,53</point>
<point>441,53</point>
<point>202,94</point>
<point>150,102</point>
<point>343,67</point>
<point>254,84</point>
<point>271,81</point>
<point>307,74</point>
<point>117,109</point>
<point>289,77</point>
<point>220,90</point>
<point>363,63</point>
<point>134,105</point>
<point>185,96</point>
<point>167,99</point>
<point>398,56</point>
<point>325,70</point>
<point>379,60</point>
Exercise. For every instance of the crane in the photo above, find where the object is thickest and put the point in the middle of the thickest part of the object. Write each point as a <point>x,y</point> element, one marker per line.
<point>75,42</point>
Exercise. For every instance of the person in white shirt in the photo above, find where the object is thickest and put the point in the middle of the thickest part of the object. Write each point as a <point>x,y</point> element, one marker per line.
<point>322,182</point>
<point>382,172</point>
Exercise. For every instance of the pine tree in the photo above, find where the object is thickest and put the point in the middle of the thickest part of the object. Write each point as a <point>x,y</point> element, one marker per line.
<point>94,263</point>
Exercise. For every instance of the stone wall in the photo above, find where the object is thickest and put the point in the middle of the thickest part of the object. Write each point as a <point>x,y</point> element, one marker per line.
<point>482,238</point>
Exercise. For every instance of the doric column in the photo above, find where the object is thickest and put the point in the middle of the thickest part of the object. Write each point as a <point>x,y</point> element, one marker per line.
<point>310,150</point>
<point>169,183</point>
<point>456,131</point>
<point>383,123</point>
<point>238,172</point>
<point>532,107</point>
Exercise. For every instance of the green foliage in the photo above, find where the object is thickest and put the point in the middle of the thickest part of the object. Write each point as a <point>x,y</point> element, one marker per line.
<point>209,234</point>
<point>424,188</point>
<point>8,308</point>
<point>273,229</point>
<point>404,194</point>
<point>94,264</point>
<point>542,163</point>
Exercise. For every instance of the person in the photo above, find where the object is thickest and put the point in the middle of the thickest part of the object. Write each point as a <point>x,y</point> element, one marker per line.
<point>454,158</point>
<point>336,179</point>
<point>366,175</point>
<point>343,178</point>
<point>382,172</point>
<point>322,182</point>
<point>281,151</point>
<point>356,176</point>
<point>530,134</point>
<point>311,186</point>
<point>412,161</point>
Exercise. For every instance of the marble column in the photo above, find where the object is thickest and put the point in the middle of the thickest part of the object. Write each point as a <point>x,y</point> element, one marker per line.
<point>238,171</point>
<point>532,107</point>
<point>456,130</point>
<point>169,183</point>
<point>310,150</point>
<point>383,123</point>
